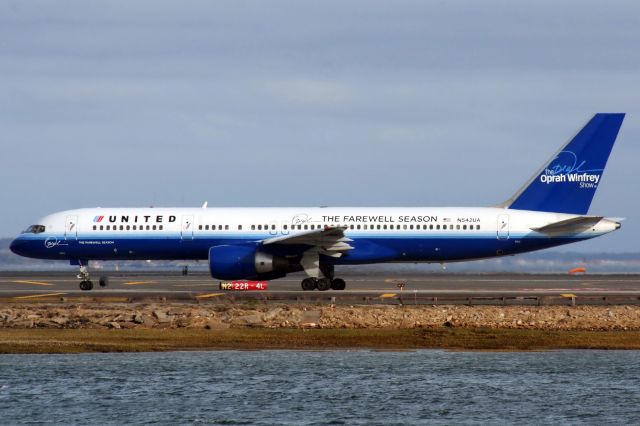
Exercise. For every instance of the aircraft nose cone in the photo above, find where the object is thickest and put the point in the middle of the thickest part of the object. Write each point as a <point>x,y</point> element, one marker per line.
<point>16,246</point>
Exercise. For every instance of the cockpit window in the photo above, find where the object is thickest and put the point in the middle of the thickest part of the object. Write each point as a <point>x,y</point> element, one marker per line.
<point>34,229</point>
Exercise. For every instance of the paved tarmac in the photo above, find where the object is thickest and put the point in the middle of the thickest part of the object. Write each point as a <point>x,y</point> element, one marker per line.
<point>439,288</point>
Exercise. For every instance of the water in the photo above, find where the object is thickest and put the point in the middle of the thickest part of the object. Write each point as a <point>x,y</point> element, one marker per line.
<point>332,387</point>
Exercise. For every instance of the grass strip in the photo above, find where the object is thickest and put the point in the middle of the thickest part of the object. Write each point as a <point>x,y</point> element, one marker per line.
<point>14,341</point>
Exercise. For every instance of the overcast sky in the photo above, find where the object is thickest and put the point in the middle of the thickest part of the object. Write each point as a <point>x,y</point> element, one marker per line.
<point>253,103</point>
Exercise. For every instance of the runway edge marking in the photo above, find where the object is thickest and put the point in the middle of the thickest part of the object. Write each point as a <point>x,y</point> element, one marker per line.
<point>205,296</point>
<point>35,296</point>
<point>32,282</point>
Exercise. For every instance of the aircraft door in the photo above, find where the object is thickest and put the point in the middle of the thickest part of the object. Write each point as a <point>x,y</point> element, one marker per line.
<point>71,228</point>
<point>186,230</point>
<point>503,227</point>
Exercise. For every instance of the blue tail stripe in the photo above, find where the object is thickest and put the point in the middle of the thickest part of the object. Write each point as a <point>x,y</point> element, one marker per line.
<point>568,182</point>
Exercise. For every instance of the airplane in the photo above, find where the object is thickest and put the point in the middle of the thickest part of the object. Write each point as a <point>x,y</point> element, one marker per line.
<point>269,243</point>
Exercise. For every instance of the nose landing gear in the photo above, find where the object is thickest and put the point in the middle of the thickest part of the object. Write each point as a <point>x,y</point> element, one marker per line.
<point>83,276</point>
<point>85,282</point>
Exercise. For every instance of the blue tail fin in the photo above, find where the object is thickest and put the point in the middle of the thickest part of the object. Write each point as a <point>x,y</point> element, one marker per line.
<point>568,181</point>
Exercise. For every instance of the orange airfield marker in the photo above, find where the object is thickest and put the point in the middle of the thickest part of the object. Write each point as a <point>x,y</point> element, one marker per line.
<point>580,270</point>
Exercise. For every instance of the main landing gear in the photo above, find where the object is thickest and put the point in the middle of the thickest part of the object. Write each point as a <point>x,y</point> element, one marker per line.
<point>85,282</point>
<point>323,284</point>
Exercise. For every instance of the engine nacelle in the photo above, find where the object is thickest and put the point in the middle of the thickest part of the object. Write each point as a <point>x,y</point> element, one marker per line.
<point>241,262</point>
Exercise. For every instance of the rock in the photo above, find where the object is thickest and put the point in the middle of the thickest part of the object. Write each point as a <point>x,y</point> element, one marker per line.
<point>182,322</point>
<point>138,318</point>
<point>59,320</point>
<point>161,316</point>
<point>272,314</point>
<point>215,325</point>
<point>519,322</point>
<point>310,325</point>
<point>310,317</point>
<point>127,325</point>
<point>23,323</point>
<point>250,319</point>
<point>113,324</point>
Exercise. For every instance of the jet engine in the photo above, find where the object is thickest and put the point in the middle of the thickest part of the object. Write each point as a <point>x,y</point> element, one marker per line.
<point>241,262</point>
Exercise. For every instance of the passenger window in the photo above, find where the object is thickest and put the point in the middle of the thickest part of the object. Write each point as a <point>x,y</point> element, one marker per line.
<point>154,227</point>
<point>384,227</point>
<point>306,227</point>
<point>430,227</point>
<point>364,227</point>
<point>259,227</point>
<point>351,226</point>
<point>378,226</point>
<point>405,226</point>
<point>299,227</point>
<point>437,227</point>
<point>160,227</point>
<point>226,227</point>
<point>358,227</point>
<point>148,227</point>
<point>219,227</point>
<point>458,227</point>
<point>134,227</point>
<point>239,227</point>
<point>284,227</point>
<point>253,227</point>
<point>108,227</point>
<point>128,227</point>
<point>101,227</point>
<point>478,227</point>
<point>200,227</point>
<point>94,227</point>
<point>464,227</point>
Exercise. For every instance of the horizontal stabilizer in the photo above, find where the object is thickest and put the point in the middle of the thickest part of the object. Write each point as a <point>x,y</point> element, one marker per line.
<point>570,226</point>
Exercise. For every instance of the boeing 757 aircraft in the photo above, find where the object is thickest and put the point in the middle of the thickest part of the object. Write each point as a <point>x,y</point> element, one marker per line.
<point>268,243</point>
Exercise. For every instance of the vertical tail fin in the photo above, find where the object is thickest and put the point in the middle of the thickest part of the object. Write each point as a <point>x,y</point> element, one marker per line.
<point>568,181</point>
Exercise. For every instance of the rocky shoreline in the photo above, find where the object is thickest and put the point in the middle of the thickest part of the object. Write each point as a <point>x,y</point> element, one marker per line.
<point>219,317</point>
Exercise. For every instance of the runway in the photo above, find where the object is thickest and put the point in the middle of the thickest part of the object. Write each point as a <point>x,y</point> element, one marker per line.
<point>440,288</point>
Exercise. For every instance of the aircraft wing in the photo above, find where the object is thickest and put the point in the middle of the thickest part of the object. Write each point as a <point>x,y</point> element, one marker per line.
<point>329,241</point>
<point>570,226</point>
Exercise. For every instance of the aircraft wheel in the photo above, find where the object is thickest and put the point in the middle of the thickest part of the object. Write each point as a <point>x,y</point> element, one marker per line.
<point>104,281</point>
<point>86,285</point>
<point>338,284</point>
<point>308,284</point>
<point>324,284</point>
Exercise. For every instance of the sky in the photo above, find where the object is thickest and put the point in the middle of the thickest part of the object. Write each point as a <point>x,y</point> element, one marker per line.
<point>308,103</point>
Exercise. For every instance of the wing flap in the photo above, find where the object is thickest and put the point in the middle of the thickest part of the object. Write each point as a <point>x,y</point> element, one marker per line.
<point>330,240</point>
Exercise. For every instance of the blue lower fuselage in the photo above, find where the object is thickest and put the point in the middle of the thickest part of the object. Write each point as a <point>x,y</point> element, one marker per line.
<point>366,249</point>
